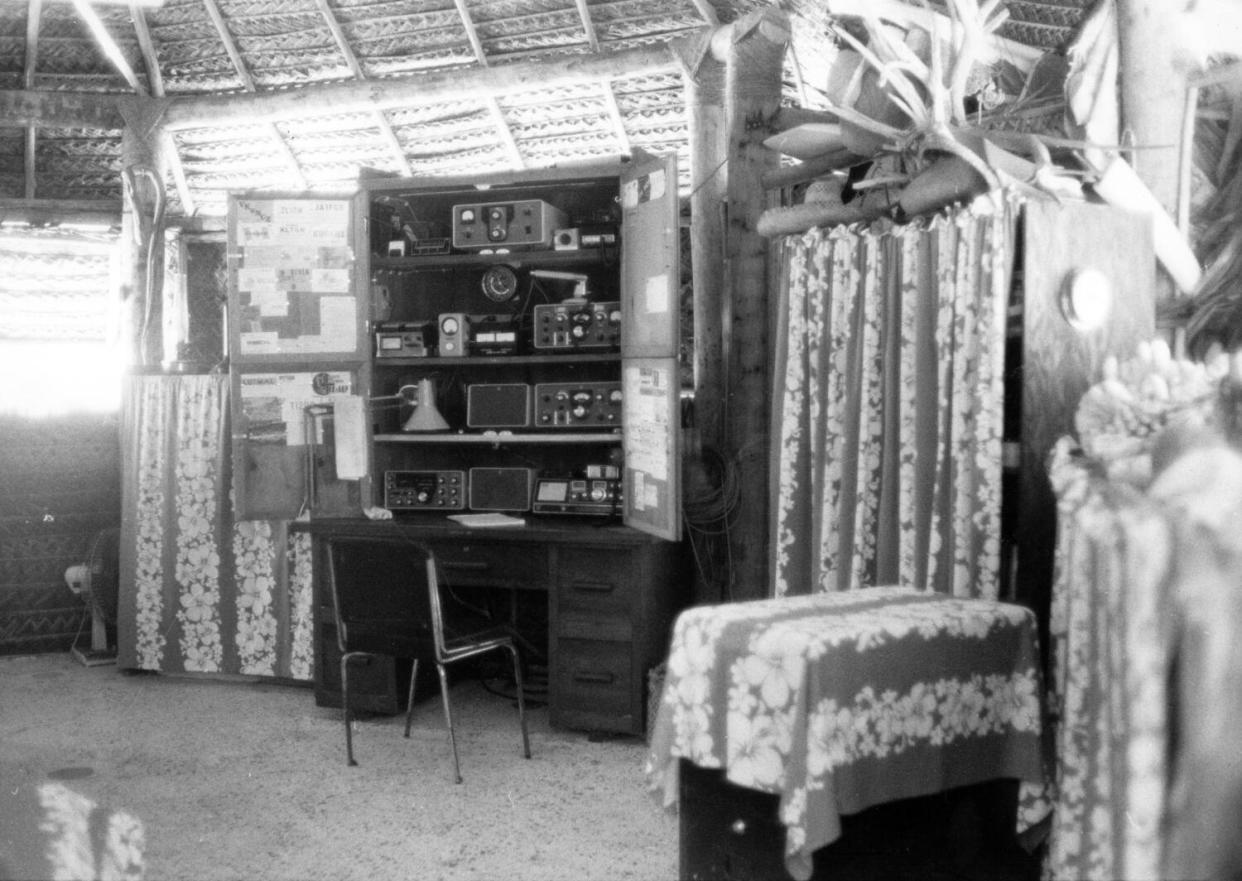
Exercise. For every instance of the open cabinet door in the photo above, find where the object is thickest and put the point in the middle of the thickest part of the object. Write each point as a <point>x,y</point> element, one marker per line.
<point>650,267</point>
<point>651,399</point>
<point>651,389</point>
<point>298,345</point>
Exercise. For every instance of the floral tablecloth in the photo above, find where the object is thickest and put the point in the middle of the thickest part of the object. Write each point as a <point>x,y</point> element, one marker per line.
<point>840,701</point>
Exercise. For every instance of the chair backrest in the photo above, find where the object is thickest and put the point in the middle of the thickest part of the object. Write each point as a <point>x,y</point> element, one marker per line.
<point>385,594</point>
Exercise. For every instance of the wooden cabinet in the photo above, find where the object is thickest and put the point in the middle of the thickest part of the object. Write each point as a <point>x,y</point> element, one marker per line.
<point>612,610</point>
<point>612,595</point>
<point>502,344</point>
<point>525,343</point>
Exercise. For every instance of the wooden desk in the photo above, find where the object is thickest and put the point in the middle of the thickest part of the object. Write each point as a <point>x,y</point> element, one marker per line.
<point>612,594</point>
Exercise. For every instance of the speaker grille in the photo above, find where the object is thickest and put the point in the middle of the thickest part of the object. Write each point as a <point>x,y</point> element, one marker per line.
<point>500,489</point>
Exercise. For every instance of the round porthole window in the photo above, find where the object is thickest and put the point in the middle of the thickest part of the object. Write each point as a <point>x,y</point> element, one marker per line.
<point>1087,299</point>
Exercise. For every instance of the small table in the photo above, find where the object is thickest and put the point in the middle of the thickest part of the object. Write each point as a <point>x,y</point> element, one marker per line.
<point>840,701</point>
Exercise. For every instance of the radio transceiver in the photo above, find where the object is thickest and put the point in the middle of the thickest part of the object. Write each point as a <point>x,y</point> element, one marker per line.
<point>573,325</point>
<point>558,495</point>
<point>577,405</point>
<point>528,223</point>
<point>424,490</point>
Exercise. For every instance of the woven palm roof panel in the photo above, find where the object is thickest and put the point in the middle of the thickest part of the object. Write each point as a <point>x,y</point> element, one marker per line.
<point>223,47</point>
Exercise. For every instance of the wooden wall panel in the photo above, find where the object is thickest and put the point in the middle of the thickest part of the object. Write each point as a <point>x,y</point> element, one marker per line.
<point>1060,363</point>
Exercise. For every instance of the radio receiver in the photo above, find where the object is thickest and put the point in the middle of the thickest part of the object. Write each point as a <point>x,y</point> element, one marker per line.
<point>529,223</point>
<point>557,495</point>
<point>579,405</point>
<point>571,325</point>
<point>424,490</point>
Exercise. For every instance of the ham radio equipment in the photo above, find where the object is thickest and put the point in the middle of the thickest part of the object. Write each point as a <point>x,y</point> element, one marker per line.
<point>577,325</point>
<point>401,339</point>
<point>425,490</point>
<point>523,224</point>
<point>594,497</point>
<point>578,405</point>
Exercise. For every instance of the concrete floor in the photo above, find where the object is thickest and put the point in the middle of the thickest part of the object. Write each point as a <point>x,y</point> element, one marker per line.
<point>247,780</point>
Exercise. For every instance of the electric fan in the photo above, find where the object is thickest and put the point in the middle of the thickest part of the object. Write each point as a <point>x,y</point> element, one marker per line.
<point>95,580</point>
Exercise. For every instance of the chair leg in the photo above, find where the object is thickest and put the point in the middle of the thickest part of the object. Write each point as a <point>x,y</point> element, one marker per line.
<point>517,678</point>
<point>448,717</point>
<point>409,709</point>
<point>349,734</point>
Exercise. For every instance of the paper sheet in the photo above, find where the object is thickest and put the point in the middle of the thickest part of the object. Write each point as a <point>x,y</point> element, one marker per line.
<point>350,436</point>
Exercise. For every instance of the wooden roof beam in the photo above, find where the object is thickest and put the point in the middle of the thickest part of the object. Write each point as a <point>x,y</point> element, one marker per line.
<point>351,60</point>
<point>34,14</point>
<point>618,121</point>
<point>57,212</point>
<point>147,48</point>
<point>472,33</point>
<point>168,148</point>
<point>62,109</point>
<point>230,47</point>
<point>432,87</point>
<point>504,132</point>
<point>584,13</point>
<point>490,103</point>
<point>239,65</point>
<point>108,45</point>
<point>707,11</point>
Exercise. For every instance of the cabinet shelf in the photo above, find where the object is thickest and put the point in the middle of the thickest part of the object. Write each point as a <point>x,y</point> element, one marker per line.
<point>574,357</point>
<point>579,257</point>
<point>569,437</point>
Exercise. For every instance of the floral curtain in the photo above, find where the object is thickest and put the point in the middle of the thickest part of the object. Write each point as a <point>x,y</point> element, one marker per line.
<point>200,591</point>
<point>888,405</point>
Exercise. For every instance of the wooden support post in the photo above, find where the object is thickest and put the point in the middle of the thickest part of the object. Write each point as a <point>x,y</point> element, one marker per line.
<point>753,75</point>
<point>704,76</point>
<point>142,240</point>
<point>709,170</point>
<point>1153,84</point>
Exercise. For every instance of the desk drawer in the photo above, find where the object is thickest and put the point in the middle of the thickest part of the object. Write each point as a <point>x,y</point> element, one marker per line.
<point>499,565</point>
<point>595,583</point>
<point>593,678</point>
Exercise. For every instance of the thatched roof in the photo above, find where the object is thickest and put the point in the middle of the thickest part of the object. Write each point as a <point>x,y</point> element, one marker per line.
<point>61,145</point>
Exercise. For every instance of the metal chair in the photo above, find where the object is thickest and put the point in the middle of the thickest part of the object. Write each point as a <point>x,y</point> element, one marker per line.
<point>386,601</point>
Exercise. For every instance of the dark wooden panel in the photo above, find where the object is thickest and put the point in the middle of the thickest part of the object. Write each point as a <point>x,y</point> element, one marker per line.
<point>1060,363</point>
<point>963,834</point>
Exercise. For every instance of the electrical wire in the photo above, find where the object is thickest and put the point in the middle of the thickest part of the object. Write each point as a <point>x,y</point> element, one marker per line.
<point>709,512</point>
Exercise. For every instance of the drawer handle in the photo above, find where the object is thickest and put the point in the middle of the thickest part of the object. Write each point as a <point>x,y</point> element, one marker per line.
<point>738,827</point>
<point>595,678</point>
<point>594,587</point>
<point>466,565</point>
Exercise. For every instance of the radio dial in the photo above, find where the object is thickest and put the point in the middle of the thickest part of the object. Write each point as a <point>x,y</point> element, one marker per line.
<point>598,493</point>
<point>579,411</point>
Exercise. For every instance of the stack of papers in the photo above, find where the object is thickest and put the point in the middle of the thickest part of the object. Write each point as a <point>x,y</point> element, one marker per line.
<point>488,518</point>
